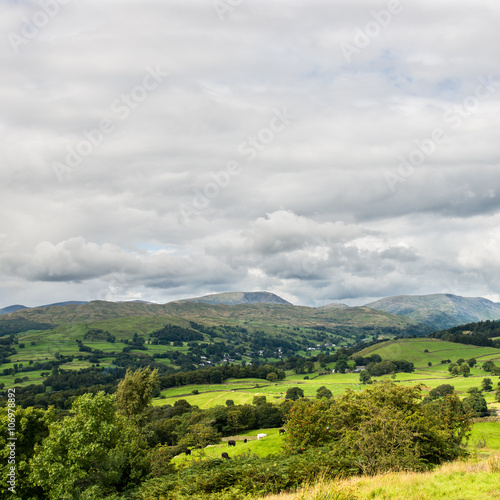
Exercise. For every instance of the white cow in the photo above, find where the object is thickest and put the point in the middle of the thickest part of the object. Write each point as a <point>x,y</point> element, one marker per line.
<point>260,436</point>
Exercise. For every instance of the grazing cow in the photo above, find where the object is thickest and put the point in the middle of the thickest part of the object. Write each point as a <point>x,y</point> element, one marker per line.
<point>231,442</point>
<point>282,431</point>
<point>260,436</point>
<point>225,455</point>
<point>245,440</point>
<point>188,452</point>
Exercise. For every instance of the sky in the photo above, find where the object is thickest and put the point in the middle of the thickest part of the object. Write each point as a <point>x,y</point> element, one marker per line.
<point>325,151</point>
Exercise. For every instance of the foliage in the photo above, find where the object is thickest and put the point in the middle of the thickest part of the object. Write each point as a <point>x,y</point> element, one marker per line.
<point>476,404</point>
<point>441,391</point>
<point>135,391</point>
<point>323,392</point>
<point>385,427</point>
<point>31,427</point>
<point>247,475</point>
<point>364,377</point>
<point>294,393</point>
<point>94,448</point>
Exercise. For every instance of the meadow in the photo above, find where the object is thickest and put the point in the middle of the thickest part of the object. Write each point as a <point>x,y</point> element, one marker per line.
<point>461,480</point>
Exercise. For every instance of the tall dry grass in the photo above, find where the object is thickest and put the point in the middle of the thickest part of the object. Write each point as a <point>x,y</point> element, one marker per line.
<point>460,476</point>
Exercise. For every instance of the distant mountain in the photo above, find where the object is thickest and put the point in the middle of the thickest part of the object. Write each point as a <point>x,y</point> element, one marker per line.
<point>440,311</point>
<point>347,322</point>
<point>67,303</point>
<point>238,298</point>
<point>334,306</point>
<point>10,309</point>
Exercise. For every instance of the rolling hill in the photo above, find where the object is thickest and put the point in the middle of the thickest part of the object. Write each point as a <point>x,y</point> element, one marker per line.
<point>439,311</point>
<point>237,298</point>
<point>10,309</point>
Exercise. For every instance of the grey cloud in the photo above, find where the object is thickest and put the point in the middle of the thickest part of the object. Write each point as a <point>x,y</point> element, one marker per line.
<point>311,217</point>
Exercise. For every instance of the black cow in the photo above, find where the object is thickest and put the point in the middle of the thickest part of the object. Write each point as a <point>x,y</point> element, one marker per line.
<point>231,442</point>
<point>245,440</point>
<point>282,431</point>
<point>225,455</point>
<point>188,452</point>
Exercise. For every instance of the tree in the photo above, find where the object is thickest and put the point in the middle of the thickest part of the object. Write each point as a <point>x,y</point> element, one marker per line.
<point>135,391</point>
<point>476,403</point>
<point>294,393</point>
<point>441,391</point>
<point>31,427</point>
<point>364,377</point>
<point>384,427</point>
<point>94,449</point>
<point>259,400</point>
<point>323,392</point>
<point>272,377</point>
<point>241,417</point>
<point>465,370</point>
<point>488,366</point>
<point>199,436</point>
<point>341,366</point>
<point>487,384</point>
<point>472,362</point>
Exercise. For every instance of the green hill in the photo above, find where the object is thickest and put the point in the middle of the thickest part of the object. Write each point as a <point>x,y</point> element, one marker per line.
<point>235,298</point>
<point>423,350</point>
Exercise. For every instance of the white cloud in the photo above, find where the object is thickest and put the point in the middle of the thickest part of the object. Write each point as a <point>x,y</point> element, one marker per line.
<point>311,217</point>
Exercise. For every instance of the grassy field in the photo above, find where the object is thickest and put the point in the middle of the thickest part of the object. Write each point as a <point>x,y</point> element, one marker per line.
<point>414,350</point>
<point>471,480</point>
<point>269,445</point>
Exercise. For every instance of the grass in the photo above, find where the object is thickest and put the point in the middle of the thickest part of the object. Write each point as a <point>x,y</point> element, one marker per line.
<point>269,445</point>
<point>485,437</point>
<point>461,480</point>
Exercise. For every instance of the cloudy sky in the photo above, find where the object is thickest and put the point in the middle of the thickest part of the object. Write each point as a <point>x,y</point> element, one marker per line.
<point>326,151</point>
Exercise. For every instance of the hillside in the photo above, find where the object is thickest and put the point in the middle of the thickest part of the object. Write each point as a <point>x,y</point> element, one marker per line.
<point>423,351</point>
<point>439,311</point>
<point>289,315</point>
<point>10,309</point>
<point>237,298</point>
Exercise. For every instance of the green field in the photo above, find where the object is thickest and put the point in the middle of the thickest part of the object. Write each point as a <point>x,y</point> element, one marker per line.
<point>269,445</point>
<point>414,350</point>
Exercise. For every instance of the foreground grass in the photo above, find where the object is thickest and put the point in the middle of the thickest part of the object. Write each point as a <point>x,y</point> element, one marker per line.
<point>470,480</point>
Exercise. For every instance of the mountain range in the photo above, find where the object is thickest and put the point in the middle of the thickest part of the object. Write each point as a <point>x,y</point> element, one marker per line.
<point>435,311</point>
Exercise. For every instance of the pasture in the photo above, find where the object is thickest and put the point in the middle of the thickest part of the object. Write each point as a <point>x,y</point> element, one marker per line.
<point>269,445</point>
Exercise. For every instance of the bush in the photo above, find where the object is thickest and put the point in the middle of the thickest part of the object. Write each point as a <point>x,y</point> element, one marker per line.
<point>250,475</point>
<point>384,427</point>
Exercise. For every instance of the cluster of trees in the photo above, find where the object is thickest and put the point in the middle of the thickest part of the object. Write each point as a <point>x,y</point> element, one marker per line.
<point>479,334</point>
<point>113,444</point>
<point>385,427</point>
<point>474,403</point>
<point>110,443</point>
<point>12,326</point>
<point>170,333</point>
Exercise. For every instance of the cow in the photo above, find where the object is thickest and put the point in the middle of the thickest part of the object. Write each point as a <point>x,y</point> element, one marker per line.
<point>260,436</point>
<point>225,455</point>
<point>282,431</point>
<point>188,452</point>
<point>245,440</point>
<point>231,442</point>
